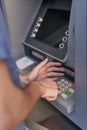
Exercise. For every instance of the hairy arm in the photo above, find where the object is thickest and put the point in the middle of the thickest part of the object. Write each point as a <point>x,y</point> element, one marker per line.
<point>15,104</point>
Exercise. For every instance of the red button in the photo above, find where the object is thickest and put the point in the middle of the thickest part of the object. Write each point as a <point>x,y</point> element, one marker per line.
<point>73,87</point>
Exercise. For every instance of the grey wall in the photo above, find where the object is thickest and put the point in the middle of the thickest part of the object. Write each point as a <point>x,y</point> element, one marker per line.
<point>19,14</point>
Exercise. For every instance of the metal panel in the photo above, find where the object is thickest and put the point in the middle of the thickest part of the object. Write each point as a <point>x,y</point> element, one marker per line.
<point>18,14</point>
<point>79,116</point>
<point>81,61</point>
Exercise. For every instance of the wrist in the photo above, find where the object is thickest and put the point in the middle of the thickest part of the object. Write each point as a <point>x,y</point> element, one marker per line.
<point>35,88</point>
<point>24,80</point>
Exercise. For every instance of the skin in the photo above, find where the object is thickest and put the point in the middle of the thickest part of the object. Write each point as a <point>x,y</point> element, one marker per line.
<point>16,104</point>
<point>43,70</point>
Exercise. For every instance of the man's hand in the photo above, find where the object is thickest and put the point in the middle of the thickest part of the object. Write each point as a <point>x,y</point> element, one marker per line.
<point>44,70</point>
<point>47,88</point>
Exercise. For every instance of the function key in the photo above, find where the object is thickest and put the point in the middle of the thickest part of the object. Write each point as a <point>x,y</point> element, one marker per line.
<point>67,33</point>
<point>64,39</point>
<point>37,24</point>
<point>33,35</point>
<point>73,87</point>
<point>40,19</point>
<point>61,46</point>
<point>35,30</point>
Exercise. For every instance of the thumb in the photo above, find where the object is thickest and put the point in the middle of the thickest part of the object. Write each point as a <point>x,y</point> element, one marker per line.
<point>41,64</point>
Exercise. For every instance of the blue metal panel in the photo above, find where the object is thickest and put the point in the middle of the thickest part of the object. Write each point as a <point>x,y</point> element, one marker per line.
<point>81,61</point>
<point>79,116</point>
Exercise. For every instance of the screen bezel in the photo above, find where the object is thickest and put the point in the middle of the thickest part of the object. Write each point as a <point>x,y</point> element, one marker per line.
<point>55,53</point>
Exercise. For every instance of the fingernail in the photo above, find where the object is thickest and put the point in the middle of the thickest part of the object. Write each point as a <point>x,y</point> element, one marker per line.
<point>46,59</point>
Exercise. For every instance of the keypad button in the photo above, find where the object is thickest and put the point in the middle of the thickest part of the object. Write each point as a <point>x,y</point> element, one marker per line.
<point>59,82</point>
<point>62,89</point>
<point>73,87</point>
<point>68,93</point>
<point>63,95</point>
<point>69,84</point>
<point>66,82</point>
<point>62,84</point>
<point>71,90</point>
<point>66,86</point>
<point>62,80</point>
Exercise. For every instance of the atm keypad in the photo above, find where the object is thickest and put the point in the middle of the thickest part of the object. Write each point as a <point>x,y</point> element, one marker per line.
<point>66,88</point>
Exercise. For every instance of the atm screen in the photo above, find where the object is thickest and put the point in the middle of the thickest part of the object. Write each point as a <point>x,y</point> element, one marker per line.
<point>53,27</point>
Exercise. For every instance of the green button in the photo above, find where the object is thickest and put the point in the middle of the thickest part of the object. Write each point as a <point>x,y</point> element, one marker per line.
<point>68,93</point>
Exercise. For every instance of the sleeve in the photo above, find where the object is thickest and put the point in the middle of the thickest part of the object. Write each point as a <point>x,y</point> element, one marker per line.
<point>3,38</point>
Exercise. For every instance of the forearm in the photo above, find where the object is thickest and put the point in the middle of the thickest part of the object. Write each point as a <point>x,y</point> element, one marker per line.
<point>15,104</point>
<point>20,105</point>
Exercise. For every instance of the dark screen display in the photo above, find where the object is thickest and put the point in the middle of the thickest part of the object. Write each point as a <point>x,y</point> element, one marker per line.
<point>53,27</point>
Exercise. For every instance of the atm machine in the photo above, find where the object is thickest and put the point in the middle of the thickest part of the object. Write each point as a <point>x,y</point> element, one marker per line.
<point>48,37</point>
<point>59,32</point>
